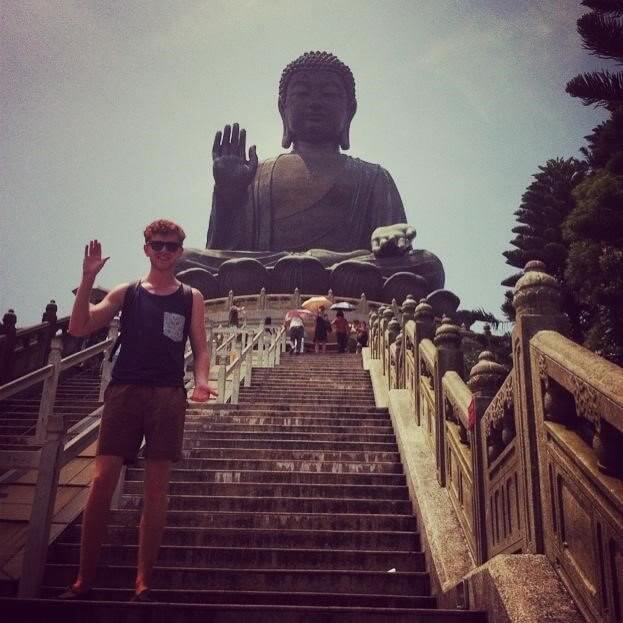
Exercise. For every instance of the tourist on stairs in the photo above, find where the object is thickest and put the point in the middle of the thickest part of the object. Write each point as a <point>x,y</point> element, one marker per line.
<point>146,396</point>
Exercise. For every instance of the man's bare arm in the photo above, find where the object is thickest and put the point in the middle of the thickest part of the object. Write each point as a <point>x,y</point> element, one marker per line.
<point>86,318</point>
<point>201,357</point>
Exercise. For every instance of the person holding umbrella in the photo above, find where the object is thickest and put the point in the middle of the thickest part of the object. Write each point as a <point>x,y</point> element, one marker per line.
<point>342,330</point>
<point>323,327</point>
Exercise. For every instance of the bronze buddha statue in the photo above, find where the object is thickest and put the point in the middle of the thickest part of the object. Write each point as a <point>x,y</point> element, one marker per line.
<point>314,217</point>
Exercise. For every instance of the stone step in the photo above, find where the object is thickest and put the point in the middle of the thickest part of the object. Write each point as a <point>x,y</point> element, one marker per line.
<point>241,422</point>
<point>280,504</point>
<point>278,490</point>
<point>278,580</point>
<point>255,558</point>
<point>340,520</point>
<point>284,444</point>
<point>296,408</point>
<point>104,612</point>
<point>285,466</point>
<point>332,600</point>
<point>194,413</point>
<point>319,455</point>
<point>197,438</point>
<point>255,537</point>
<point>274,476</point>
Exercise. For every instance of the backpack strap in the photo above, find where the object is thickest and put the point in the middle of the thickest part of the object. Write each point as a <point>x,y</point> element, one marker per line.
<point>128,299</point>
<point>187,292</point>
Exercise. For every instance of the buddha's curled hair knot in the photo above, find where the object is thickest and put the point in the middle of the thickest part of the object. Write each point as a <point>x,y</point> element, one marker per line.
<point>319,60</point>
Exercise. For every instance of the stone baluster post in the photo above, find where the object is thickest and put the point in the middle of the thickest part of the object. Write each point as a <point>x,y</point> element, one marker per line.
<point>448,357</point>
<point>9,331</point>
<point>388,314</point>
<point>330,296</point>
<point>424,329</point>
<point>364,308</point>
<point>50,432</point>
<point>408,314</point>
<point>391,336</point>
<point>221,382</point>
<point>107,364</point>
<point>485,379</point>
<point>262,300</point>
<point>295,302</point>
<point>49,316</point>
<point>230,300</point>
<point>396,310</point>
<point>537,303</point>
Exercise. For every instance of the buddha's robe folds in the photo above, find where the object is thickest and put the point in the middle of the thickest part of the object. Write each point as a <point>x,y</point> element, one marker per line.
<point>363,198</point>
<point>335,228</point>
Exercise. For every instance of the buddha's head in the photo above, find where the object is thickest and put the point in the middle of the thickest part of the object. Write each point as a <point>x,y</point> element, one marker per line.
<point>317,100</point>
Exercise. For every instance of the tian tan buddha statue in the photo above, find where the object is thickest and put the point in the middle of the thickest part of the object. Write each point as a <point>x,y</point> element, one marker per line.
<point>313,217</point>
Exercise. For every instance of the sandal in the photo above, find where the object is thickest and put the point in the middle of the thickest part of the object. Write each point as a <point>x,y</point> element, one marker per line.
<point>143,597</point>
<point>72,594</point>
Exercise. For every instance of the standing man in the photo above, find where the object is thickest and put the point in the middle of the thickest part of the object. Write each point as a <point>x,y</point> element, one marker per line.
<point>146,395</point>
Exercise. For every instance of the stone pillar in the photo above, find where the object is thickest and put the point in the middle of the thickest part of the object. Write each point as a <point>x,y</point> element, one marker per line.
<point>262,299</point>
<point>449,357</point>
<point>391,337</point>
<point>537,303</point>
<point>363,304</point>
<point>230,300</point>
<point>424,329</point>
<point>388,315</point>
<point>49,316</point>
<point>7,345</point>
<point>485,379</point>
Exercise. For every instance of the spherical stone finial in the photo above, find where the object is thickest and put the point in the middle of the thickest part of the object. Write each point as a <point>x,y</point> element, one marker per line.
<point>487,376</point>
<point>388,314</point>
<point>408,308</point>
<point>448,335</point>
<point>424,311</point>
<point>537,292</point>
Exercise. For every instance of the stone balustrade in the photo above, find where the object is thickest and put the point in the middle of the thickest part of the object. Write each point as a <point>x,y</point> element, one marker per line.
<point>531,457</point>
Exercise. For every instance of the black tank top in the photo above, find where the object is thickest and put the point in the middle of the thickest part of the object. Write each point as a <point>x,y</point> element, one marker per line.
<point>154,333</point>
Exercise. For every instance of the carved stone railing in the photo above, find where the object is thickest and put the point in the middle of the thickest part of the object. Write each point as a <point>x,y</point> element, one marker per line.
<point>532,459</point>
<point>579,415</point>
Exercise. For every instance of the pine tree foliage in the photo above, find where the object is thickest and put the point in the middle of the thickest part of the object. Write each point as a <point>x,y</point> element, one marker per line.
<point>594,233</point>
<point>602,35</point>
<point>544,205</point>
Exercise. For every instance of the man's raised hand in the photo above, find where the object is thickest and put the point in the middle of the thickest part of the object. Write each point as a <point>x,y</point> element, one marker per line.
<point>93,261</point>
<point>232,171</point>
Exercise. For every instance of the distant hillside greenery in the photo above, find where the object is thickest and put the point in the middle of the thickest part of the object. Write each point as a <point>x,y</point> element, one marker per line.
<point>571,215</point>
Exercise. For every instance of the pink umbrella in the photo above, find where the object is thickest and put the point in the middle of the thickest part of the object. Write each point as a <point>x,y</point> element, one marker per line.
<point>303,314</point>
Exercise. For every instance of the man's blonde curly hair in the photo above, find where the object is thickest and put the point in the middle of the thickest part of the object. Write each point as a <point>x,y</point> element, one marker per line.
<point>162,226</point>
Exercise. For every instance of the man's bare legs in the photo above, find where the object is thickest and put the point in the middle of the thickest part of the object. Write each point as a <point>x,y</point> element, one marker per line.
<point>155,503</point>
<point>95,518</point>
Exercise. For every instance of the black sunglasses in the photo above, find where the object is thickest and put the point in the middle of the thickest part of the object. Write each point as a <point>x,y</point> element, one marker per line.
<point>158,245</point>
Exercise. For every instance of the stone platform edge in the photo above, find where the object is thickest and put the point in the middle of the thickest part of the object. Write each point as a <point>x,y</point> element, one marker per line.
<point>509,587</point>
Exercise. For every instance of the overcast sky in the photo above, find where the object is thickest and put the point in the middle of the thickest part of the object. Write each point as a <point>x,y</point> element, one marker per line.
<point>109,109</point>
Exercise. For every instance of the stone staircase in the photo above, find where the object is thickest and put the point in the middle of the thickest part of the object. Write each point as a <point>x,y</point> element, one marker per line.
<point>291,507</point>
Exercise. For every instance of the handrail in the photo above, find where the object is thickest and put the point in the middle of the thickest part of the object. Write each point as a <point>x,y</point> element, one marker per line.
<point>599,376</point>
<point>238,361</point>
<point>459,394</point>
<point>24,382</point>
<point>427,350</point>
<point>84,355</point>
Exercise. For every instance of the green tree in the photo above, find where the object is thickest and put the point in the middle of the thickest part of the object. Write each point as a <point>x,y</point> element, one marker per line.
<point>594,233</point>
<point>545,204</point>
<point>602,35</point>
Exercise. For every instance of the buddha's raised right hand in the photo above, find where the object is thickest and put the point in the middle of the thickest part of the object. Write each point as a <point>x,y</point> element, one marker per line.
<point>232,171</point>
